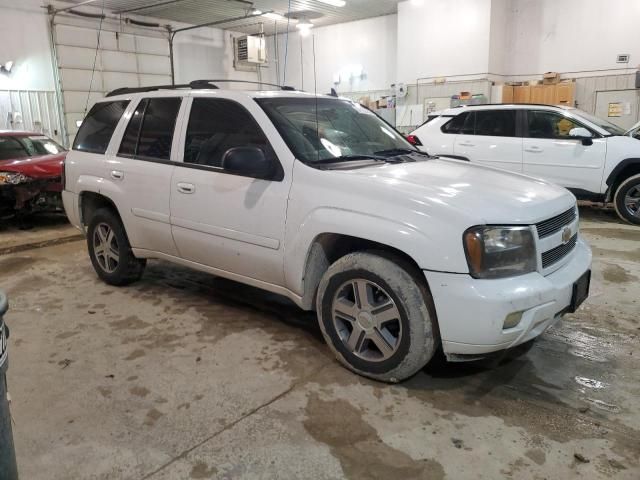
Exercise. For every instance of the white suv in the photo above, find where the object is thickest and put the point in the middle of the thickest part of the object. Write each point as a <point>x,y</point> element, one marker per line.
<point>591,157</point>
<point>318,199</point>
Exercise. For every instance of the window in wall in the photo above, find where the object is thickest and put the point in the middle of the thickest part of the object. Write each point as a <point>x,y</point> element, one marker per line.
<point>497,123</point>
<point>98,126</point>
<point>215,126</point>
<point>549,125</point>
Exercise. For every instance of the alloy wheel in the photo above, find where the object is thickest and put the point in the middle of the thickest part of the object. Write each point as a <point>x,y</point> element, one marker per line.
<point>367,320</point>
<point>632,201</point>
<point>105,247</point>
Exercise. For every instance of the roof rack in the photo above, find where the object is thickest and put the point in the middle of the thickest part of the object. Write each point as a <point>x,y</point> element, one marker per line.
<point>194,85</point>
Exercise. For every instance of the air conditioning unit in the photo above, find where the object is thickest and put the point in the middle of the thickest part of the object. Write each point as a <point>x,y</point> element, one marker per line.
<point>250,50</point>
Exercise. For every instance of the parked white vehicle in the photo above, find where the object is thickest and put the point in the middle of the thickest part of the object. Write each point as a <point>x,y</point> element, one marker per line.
<point>591,157</point>
<point>318,199</point>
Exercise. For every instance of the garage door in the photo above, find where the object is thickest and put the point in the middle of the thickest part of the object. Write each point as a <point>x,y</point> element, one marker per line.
<point>126,57</point>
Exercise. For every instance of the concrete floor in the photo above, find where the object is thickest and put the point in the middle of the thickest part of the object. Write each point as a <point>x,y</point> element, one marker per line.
<point>184,375</point>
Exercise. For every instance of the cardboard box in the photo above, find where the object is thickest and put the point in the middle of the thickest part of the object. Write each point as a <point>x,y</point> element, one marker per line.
<point>507,93</point>
<point>550,78</point>
<point>522,94</point>
<point>565,92</point>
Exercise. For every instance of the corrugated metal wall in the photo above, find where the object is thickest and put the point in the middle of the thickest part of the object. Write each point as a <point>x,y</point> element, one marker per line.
<point>125,58</point>
<point>30,110</point>
<point>587,87</point>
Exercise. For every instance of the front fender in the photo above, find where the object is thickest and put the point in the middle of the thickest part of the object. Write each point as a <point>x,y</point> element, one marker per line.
<point>417,244</point>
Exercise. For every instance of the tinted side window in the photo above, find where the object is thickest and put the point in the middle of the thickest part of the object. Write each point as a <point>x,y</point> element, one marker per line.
<point>215,126</point>
<point>158,124</point>
<point>97,128</point>
<point>497,123</point>
<point>130,138</point>
<point>11,148</point>
<point>549,125</point>
<point>462,123</point>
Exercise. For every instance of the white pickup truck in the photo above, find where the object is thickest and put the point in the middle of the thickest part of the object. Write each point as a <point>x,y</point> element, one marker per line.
<point>318,199</point>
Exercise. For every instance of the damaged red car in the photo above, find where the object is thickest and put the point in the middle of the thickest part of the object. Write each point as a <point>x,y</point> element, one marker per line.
<point>30,173</point>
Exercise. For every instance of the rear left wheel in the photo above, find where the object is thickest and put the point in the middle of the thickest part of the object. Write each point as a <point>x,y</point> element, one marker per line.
<point>627,200</point>
<point>110,251</point>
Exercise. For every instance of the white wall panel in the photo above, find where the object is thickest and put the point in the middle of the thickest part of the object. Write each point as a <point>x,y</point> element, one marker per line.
<point>146,80</point>
<point>153,64</point>
<point>77,57</point>
<point>113,80</point>
<point>150,45</point>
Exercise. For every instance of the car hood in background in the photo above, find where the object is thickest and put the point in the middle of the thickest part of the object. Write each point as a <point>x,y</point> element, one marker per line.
<point>46,166</point>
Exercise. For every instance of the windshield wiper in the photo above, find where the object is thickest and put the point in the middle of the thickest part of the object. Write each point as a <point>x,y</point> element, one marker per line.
<point>401,151</point>
<point>348,158</point>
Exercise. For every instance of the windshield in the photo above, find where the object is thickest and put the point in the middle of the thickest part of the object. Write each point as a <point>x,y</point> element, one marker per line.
<point>318,130</point>
<point>41,145</point>
<point>604,124</point>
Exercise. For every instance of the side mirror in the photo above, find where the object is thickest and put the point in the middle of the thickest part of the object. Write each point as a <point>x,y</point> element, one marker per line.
<point>247,161</point>
<point>583,134</point>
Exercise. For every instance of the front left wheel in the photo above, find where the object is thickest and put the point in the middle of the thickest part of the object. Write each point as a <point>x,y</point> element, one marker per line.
<point>377,316</point>
<point>110,251</point>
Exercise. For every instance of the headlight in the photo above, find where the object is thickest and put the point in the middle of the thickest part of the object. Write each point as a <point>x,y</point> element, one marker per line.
<point>496,252</point>
<point>13,178</point>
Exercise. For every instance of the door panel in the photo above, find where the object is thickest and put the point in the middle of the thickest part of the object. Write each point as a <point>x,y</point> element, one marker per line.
<point>226,221</point>
<point>489,138</point>
<point>550,153</point>
<point>142,170</point>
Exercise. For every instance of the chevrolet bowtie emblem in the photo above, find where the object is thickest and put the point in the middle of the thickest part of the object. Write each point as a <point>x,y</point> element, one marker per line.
<point>566,235</point>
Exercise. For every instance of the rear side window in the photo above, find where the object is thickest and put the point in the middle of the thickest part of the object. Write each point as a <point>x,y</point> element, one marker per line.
<point>98,126</point>
<point>149,133</point>
<point>496,123</point>
<point>11,148</point>
<point>460,124</point>
<point>215,126</point>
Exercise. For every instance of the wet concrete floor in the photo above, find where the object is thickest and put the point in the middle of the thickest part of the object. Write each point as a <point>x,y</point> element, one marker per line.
<point>184,375</point>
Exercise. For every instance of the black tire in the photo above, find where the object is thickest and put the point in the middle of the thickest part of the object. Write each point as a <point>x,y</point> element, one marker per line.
<point>625,212</point>
<point>414,340</point>
<point>128,268</point>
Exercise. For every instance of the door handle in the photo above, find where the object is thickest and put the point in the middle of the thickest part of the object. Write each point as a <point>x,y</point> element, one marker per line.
<point>533,150</point>
<point>117,174</point>
<point>467,144</point>
<point>186,187</point>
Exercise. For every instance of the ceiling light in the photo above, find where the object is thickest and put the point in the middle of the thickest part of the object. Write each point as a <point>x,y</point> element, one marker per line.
<point>274,16</point>
<point>304,25</point>
<point>335,3</point>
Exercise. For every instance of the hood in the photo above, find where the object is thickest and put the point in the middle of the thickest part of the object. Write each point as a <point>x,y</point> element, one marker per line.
<point>46,166</point>
<point>482,195</point>
<point>632,129</point>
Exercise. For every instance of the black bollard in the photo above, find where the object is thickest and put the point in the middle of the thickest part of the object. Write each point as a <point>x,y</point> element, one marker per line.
<point>8,467</point>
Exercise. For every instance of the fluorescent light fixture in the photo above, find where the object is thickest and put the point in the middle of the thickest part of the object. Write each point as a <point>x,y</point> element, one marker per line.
<point>274,16</point>
<point>304,25</point>
<point>335,3</point>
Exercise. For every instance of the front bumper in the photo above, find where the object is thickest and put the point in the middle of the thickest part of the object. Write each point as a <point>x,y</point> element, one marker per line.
<point>471,312</point>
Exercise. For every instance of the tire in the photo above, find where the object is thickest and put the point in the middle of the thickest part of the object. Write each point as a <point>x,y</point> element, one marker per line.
<point>384,344</point>
<point>115,265</point>
<point>626,193</point>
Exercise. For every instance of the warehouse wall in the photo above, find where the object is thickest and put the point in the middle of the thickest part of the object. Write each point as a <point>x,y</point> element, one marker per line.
<point>24,39</point>
<point>362,54</point>
<point>572,35</point>
<point>443,38</point>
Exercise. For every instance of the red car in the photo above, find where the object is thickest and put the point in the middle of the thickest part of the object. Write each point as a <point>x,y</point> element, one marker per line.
<point>30,173</point>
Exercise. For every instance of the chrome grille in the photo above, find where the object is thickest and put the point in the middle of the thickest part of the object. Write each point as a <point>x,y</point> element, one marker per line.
<point>553,225</point>
<point>558,253</point>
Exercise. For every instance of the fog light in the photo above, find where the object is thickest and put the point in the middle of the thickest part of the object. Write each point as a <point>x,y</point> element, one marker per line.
<point>512,320</point>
